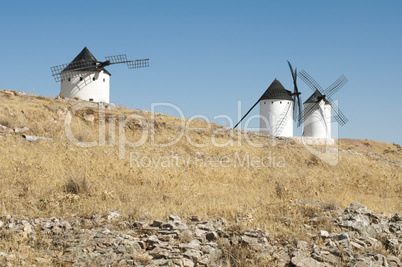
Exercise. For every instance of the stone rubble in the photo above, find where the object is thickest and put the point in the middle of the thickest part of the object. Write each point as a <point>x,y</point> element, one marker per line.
<point>362,239</point>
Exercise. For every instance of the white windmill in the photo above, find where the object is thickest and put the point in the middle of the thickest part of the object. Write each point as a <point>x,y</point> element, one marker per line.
<point>278,108</point>
<point>319,108</point>
<point>86,78</point>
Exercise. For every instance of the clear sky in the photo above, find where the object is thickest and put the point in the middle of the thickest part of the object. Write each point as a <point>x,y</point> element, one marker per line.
<point>205,56</point>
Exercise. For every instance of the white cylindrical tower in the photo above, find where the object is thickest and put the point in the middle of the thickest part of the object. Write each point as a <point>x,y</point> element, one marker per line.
<point>89,86</point>
<point>276,111</point>
<point>317,122</point>
<point>82,79</point>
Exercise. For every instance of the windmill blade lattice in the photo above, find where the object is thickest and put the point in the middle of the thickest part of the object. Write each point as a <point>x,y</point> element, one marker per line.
<point>339,116</point>
<point>57,69</point>
<point>336,86</point>
<point>296,96</point>
<point>310,81</point>
<point>131,64</point>
<point>324,95</point>
<point>139,63</point>
<point>71,70</point>
<point>78,68</point>
<point>117,59</point>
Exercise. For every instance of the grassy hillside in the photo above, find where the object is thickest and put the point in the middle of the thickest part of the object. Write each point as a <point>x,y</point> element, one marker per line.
<point>211,171</point>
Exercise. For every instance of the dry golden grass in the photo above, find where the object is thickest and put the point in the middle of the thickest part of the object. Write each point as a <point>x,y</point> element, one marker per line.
<point>58,178</point>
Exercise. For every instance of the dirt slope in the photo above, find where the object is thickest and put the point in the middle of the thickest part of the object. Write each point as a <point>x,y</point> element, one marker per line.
<point>92,165</point>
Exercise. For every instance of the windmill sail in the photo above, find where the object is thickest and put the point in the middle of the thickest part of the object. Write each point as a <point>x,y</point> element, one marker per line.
<point>86,62</point>
<point>319,107</point>
<point>296,96</point>
<point>324,95</point>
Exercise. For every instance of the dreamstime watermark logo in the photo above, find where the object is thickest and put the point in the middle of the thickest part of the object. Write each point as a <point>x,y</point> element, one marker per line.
<point>113,131</point>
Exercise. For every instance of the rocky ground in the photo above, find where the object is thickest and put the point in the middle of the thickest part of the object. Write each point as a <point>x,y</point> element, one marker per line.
<point>364,239</point>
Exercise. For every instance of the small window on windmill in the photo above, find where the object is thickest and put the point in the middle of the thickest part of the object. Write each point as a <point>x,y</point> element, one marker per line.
<point>91,99</point>
<point>272,102</point>
<point>81,78</point>
<point>93,78</point>
<point>264,102</point>
<point>104,80</point>
<point>69,79</point>
<point>280,102</point>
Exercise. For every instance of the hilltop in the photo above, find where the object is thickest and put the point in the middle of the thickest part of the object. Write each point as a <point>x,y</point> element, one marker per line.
<point>95,158</point>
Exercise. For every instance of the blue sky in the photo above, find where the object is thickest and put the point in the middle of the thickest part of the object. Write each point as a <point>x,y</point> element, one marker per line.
<point>205,56</point>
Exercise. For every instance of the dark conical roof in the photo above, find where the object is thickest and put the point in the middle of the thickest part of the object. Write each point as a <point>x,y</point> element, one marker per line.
<point>84,56</point>
<point>276,91</point>
<point>314,98</point>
